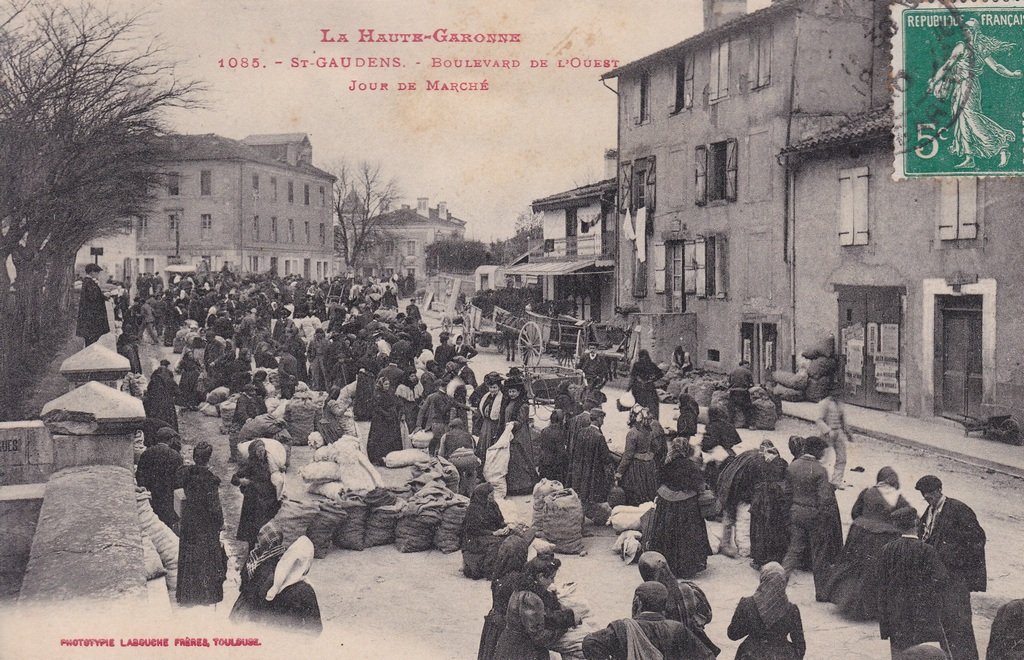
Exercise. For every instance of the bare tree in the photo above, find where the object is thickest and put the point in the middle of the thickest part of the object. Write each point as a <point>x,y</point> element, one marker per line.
<point>81,108</point>
<point>362,193</point>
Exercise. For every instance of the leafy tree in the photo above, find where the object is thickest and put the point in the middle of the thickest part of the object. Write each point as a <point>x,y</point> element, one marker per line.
<point>457,256</point>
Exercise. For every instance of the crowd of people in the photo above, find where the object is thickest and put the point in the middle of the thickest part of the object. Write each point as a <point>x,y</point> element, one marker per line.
<point>380,364</point>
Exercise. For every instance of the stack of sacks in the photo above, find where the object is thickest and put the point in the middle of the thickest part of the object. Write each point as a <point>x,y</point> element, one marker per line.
<point>264,426</point>
<point>277,458</point>
<point>790,386</point>
<point>405,458</point>
<point>218,395</point>
<point>563,521</point>
<point>227,411</point>
<point>321,530</point>
<point>351,533</point>
<point>720,398</point>
<point>435,467</point>
<point>294,518</point>
<point>300,414</point>
<point>384,511</point>
<point>421,439</point>
<point>448,538</point>
<point>421,517</point>
<point>340,466</point>
<point>625,518</point>
<point>701,389</point>
<point>543,488</point>
<point>136,384</point>
<point>763,410</point>
<point>821,368</point>
<point>162,537</point>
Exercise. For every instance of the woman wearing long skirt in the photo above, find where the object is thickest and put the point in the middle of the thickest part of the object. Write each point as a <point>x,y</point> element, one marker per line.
<point>679,532</point>
<point>637,472</point>
<point>767,622</point>
<point>160,395</point>
<point>508,578</point>
<point>259,494</point>
<point>851,585</point>
<point>534,620</point>
<point>188,387</point>
<point>490,414</point>
<point>642,377</point>
<point>385,424</point>
<point>769,510</point>
<point>522,473</point>
<point>479,541</point>
<point>202,563</point>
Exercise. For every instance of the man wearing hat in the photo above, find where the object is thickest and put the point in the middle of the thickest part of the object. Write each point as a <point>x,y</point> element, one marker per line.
<point>594,367</point>
<point>92,311</point>
<point>588,461</point>
<point>952,528</point>
<point>464,371</point>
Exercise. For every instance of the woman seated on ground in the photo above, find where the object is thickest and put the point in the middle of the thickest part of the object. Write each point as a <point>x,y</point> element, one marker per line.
<point>534,621</point>
<point>482,532</point>
<point>767,620</point>
<point>648,630</point>
<point>679,532</point>
<point>273,589</point>
<point>686,602</point>
<point>850,585</point>
<point>507,579</point>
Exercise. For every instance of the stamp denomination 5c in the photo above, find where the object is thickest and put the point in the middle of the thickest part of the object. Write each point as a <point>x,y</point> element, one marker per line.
<point>958,88</point>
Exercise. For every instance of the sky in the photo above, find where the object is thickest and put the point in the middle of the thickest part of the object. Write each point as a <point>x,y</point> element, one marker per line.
<point>534,132</point>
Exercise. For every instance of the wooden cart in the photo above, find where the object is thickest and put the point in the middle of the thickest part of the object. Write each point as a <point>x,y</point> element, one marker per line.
<point>542,382</point>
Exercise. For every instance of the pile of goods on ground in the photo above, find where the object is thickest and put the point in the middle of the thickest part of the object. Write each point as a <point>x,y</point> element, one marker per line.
<point>558,516</point>
<point>814,380</point>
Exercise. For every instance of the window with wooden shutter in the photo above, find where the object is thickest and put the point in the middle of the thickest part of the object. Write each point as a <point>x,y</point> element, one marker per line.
<point>644,112</point>
<point>700,267</point>
<point>719,87</point>
<point>675,299</point>
<point>761,60</point>
<point>710,262</point>
<point>649,194</point>
<point>853,206</point>
<point>689,267</point>
<point>639,185</point>
<point>659,267</point>
<point>958,209</point>
<point>639,279</point>
<point>625,187</point>
<point>721,265</point>
<point>731,168</point>
<point>684,83</point>
<point>700,176</point>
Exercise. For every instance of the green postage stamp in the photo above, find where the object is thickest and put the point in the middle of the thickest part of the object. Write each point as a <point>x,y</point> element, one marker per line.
<point>958,88</point>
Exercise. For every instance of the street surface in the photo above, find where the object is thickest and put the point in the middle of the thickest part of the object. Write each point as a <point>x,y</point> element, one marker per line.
<point>419,605</point>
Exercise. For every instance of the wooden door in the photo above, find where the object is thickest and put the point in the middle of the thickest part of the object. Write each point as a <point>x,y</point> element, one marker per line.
<point>961,363</point>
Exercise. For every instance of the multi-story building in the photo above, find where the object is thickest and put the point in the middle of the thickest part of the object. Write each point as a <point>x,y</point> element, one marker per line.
<point>254,205</point>
<point>403,236</point>
<point>919,280</point>
<point>702,197</point>
<point>575,260</point>
<point>114,252</point>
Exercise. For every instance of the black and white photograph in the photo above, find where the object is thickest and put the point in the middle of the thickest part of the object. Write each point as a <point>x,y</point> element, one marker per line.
<point>511,330</point>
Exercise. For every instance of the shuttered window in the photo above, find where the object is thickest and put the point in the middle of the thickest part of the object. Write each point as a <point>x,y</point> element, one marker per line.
<point>659,267</point>
<point>719,88</point>
<point>700,176</point>
<point>684,84</point>
<point>761,60</point>
<point>958,209</point>
<point>853,206</point>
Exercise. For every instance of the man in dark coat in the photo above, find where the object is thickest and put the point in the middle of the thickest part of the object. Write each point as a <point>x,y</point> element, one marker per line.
<point>92,310</point>
<point>594,367</point>
<point>741,379</point>
<point>157,472</point>
<point>909,576</point>
<point>589,461</point>
<point>951,527</point>
<point>445,351</point>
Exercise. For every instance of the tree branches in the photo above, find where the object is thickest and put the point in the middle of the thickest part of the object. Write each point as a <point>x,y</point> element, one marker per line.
<point>361,194</point>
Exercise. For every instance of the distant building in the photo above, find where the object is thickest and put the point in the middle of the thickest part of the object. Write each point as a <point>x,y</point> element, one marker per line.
<point>115,253</point>
<point>403,236</point>
<point>253,205</point>
<point>575,260</point>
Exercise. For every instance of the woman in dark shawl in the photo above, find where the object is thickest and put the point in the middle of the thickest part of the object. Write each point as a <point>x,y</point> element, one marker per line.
<point>719,432</point>
<point>769,510</point>
<point>642,378</point>
<point>188,388</point>
<point>202,564</point>
<point>637,472</point>
<point>554,458</point>
<point>850,584</point>
<point>679,532</point>
<point>385,424</point>
<point>522,473</point>
<point>534,620</point>
<point>257,575</point>
<point>291,601</point>
<point>1007,640</point>
<point>479,541</point>
<point>259,495</point>
<point>128,346</point>
<point>686,603</point>
<point>689,413</point>
<point>362,407</point>
<point>160,395</point>
<point>490,407</point>
<point>768,621</point>
<point>507,579</point>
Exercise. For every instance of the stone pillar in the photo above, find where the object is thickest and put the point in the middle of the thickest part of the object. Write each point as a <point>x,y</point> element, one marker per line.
<point>93,425</point>
<point>95,362</point>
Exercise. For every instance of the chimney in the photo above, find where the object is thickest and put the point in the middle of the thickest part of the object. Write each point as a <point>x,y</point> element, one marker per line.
<point>611,163</point>
<point>421,205</point>
<point>442,210</point>
<point>719,12</point>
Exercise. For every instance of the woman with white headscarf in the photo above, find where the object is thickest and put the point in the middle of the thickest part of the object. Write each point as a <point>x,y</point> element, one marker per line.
<point>274,589</point>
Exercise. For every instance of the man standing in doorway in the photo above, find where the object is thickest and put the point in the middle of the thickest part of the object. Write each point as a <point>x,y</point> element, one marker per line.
<point>952,528</point>
<point>92,310</point>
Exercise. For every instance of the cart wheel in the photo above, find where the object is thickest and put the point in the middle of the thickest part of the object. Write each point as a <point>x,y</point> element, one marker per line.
<point>1009,432</point>
<point>531,344</point>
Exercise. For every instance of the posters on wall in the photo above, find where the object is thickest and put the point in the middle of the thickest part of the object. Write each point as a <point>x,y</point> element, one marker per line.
<point>854,362</point>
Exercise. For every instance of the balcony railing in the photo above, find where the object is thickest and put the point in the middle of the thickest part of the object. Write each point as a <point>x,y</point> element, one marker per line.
<point>574,247</point>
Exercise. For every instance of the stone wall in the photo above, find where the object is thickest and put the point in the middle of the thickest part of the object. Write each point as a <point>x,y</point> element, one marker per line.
<point>26,452</point>
<point>19,511</point>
